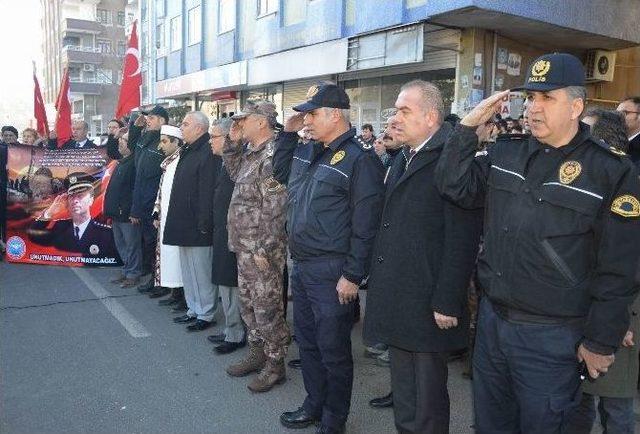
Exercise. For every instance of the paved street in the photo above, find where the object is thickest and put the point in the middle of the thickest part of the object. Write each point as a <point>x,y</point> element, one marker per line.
<point>71,363</point>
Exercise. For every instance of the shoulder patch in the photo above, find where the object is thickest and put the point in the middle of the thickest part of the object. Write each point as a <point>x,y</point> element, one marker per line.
<point>626,206</point>
<point>100,225</point>
<point>611,149</point>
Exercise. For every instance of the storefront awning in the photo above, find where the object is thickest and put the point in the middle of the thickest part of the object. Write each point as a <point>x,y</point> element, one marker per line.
<point>530,31</point>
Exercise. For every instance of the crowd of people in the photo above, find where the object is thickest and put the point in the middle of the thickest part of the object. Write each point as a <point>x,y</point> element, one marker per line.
<point>514,238</point>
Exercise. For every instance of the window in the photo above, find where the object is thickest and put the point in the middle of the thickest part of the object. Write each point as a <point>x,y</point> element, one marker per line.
<point>194,24</point>
<point>226,15</point>
<point>176,33</point>
<point>415,3</point>
<point>350,13</point>
<point>103,16</point>
<point>160,44</point>
<point>266,7</point>
<point>122,48</point>
<point>121,19</point>
<point>295,12</point>
<point>104,45</point>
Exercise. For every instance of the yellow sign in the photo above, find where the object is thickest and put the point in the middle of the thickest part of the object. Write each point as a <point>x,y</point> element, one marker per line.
<point>626,206</point>
<point>337,157</point>
<point>539,71</point>
<point>313,90</point>
<point>569,171</point>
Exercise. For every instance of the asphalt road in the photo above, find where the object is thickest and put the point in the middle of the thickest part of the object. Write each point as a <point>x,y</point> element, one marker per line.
<point>79,355</point>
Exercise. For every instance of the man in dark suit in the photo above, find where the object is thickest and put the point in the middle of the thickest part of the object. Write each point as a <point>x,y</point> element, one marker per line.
<point>422,261</point>
<point>79,140</point>
<point>630,108</point>
<point>80,234</point>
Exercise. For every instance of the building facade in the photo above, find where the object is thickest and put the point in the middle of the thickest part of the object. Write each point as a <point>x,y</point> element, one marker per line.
<point>215,55</point>
<point>89,38</point>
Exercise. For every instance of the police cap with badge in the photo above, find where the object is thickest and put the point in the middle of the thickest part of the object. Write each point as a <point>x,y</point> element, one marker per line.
<point>553,71</point>
<point>78,182</point>
<point>324,95</point>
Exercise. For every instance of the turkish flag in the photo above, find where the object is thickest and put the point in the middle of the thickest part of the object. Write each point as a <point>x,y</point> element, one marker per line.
<point>38,108</point>
<point>131,77</point>
<point>63,106</point>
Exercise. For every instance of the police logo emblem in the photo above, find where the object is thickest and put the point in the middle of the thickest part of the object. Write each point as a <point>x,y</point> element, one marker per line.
<point>94,249</point>
<point>337,157</point>
<point>617,151</point>
<point>73,180</point>
<point>569,171</point>
<point>272,185</point>
<point>313,90</point>
<point>626,206</point>
<point>540,68</point>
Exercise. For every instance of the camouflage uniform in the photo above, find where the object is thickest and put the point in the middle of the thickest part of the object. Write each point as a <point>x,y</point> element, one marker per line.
<point>256,225</point>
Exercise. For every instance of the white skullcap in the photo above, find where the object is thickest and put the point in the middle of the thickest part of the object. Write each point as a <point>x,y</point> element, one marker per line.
<point>170,130</point>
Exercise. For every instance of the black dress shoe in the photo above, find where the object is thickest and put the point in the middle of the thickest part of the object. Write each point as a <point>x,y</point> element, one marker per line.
<point>297,419</point>
<point>159,291</point>
<point>146,287</point>
<point>295,364</point>
<point>200,325</point>
<point>184,319</point>
<point>229,347</point>
<point>216,339</point>
<point>382,402</point>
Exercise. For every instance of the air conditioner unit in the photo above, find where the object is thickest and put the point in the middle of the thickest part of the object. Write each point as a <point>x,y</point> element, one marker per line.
<point>600,65</point>
<point>89,67</point>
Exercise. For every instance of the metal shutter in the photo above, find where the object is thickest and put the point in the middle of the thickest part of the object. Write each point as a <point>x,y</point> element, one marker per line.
<point>295,92</point>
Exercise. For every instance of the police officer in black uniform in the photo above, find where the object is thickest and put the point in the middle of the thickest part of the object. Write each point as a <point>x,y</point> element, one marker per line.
<point>562,231</point>
<point>80,234</point>
<point>335,185</point>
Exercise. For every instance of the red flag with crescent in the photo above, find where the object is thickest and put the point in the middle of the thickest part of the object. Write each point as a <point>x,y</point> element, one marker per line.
<point>131,77</point>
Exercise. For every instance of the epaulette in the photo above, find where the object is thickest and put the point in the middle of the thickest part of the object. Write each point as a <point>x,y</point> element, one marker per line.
<point>100,225</point>
<point>363,144</point>
<point>610,149</point>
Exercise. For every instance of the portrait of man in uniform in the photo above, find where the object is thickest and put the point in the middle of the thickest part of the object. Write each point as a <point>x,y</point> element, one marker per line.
<point>80,233</point>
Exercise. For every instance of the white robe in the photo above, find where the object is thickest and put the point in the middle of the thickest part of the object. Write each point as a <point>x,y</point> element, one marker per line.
<point>170,271</point>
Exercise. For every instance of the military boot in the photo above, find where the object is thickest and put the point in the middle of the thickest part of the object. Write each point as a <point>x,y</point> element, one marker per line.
<point>273,373</point>
<point>254,362</point>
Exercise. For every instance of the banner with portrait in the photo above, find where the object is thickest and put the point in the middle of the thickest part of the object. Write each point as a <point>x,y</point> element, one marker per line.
<point>47,225</point>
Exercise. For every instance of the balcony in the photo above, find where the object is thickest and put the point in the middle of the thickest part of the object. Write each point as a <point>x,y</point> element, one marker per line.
<point>76,25</point>
<point>78,54</point>
<point>85,86</point>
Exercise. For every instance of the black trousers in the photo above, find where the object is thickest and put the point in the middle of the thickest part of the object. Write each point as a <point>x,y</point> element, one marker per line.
<point>149,240</point>
<point>420,395</point>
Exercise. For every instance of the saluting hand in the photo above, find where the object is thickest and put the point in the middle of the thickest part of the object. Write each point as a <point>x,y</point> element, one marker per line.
<point>58,205</point>
<point>235,132</point>
<point>141,121</point>
<point>628,339</point>
<point>347,291</point>
<point>596,363</point>
<point>485,110</point>
<point>445,322</point>
<point>295,123</point>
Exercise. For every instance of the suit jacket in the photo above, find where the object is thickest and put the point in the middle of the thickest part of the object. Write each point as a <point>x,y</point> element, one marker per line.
<point>422,259</point>
<point>70,144</point>
<point>96,241</point>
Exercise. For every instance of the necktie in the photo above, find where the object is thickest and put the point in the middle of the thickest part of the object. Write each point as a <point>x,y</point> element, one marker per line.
<point>77,231</point>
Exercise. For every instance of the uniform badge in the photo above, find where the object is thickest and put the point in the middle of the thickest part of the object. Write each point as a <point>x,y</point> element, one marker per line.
<point>272,185</point>
<point>569,171</point>
<point>540,68</point>
<point>337,157</point>
<point>626,206</point>
<point>313,90</point>
<point>94,249</point>
<point>617,151</point>
<point>73,179</point>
